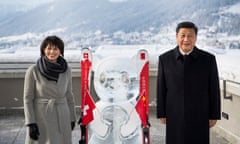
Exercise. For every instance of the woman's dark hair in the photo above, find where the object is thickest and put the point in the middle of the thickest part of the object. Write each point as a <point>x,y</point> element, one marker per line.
<point>53,41</point>
<point>187,24</point>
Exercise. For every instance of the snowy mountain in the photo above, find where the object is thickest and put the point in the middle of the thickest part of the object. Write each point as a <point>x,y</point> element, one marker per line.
<point>97,22</point>
<point>110,16</point>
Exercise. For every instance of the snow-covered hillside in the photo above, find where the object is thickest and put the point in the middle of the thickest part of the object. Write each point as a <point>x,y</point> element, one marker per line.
<point>95,23</point>
<point>109,16</point>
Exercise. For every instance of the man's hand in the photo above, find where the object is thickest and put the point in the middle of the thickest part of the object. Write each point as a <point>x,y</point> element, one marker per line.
<point>163,120</point>
<point>212,123</point>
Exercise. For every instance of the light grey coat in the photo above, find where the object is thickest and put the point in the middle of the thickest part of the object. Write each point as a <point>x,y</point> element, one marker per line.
<point>50,105</point>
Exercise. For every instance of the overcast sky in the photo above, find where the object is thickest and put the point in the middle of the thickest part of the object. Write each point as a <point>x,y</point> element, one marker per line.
<point>26,2</point>
<point>36,2</point>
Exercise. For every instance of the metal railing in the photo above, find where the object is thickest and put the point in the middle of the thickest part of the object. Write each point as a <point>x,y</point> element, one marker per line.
<point>9,66</point>
<point>225,90</point>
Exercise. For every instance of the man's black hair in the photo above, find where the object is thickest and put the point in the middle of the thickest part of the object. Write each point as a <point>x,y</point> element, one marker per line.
<point>187,24</point>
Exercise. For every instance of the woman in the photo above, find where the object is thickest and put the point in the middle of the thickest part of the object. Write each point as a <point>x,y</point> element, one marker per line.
<point>48,98</point>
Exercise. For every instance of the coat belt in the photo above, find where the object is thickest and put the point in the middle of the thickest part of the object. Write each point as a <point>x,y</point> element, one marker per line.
<point>50,106</point>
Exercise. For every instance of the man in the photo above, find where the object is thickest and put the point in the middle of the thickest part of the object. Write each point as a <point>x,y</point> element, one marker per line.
<point>188,95</point>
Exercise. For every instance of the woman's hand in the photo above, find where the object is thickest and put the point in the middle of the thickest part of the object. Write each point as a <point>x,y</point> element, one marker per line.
<point>33,131</point>
<point>72,125</point>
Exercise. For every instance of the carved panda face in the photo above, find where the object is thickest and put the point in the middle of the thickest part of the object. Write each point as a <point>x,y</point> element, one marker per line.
<point>116,80</point>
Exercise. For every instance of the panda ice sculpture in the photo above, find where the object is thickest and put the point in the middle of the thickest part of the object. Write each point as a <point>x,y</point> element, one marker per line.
<point>118,85</point>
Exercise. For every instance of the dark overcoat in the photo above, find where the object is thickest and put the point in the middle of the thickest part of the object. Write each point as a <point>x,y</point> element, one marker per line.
<point>188,95</point>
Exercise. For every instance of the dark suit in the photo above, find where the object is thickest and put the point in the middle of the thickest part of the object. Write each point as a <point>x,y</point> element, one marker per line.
<point>188,95</point>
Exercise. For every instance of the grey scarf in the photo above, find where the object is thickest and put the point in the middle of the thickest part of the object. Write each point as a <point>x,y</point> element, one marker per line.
<point>51,70</point>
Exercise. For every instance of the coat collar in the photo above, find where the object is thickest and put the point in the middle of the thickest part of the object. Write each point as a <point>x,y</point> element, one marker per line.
<point>178,55</point>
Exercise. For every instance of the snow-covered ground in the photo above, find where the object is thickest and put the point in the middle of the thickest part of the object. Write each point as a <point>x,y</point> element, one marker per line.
<point>228,65</point>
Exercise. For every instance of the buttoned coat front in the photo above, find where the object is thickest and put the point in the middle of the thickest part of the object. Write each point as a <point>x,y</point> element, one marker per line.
<point>50,105</point>
<point>188,95</point>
